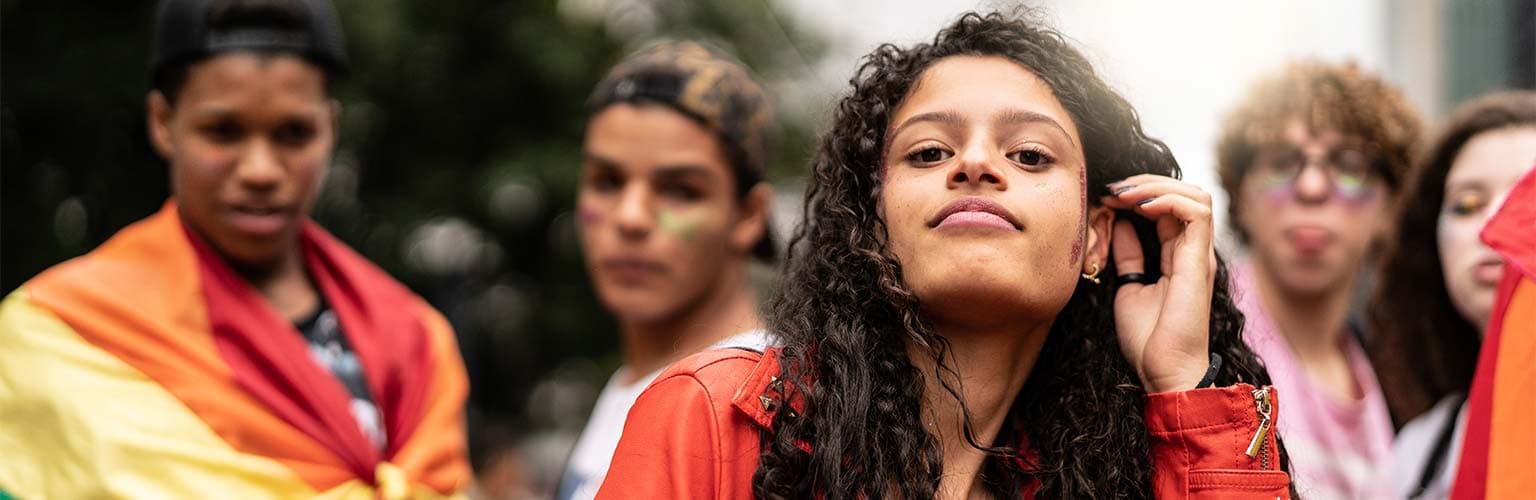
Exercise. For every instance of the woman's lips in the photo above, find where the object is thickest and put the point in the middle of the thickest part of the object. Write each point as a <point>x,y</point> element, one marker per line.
<point>975,219</point>
<point>1488,272</point>
<point>974,211</point>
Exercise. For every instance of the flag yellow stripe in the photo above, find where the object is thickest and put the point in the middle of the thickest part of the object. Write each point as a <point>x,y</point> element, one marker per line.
<point>77,422</point>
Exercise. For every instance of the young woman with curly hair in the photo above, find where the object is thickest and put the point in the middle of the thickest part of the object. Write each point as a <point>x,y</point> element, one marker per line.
<point>952,323</point>
<point>1427,330</point>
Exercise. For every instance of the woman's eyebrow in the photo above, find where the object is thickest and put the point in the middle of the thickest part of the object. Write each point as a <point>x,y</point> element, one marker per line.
<point>946,117</point>
<point>1014,116</point>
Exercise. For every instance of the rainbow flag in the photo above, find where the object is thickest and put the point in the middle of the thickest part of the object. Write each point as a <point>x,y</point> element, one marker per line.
<point>1498,457</point>
<point>148,369</point>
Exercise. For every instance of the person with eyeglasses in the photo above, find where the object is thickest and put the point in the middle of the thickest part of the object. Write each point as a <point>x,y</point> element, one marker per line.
<point>1311,160</point>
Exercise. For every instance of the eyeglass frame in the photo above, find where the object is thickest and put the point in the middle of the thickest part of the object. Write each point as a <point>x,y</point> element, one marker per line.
<point>1299,161</point>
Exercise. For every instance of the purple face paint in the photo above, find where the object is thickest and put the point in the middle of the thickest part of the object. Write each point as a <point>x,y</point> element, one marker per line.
<point>885,152</point>
<point>587,216</point>
<point>1082,222</point>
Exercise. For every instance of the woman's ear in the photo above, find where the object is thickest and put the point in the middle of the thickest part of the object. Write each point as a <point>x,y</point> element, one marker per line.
<point>752,220</point>
<point>1101,224</point>
<point>158,119</point>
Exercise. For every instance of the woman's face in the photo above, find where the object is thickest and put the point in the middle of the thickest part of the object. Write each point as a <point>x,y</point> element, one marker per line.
<point>985,195</point>
<point>248,141</point>
<point>1482,173</point>
<point>661,222</point>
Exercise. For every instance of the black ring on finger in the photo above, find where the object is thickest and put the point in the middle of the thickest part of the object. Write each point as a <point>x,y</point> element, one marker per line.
<point>1128,278</point>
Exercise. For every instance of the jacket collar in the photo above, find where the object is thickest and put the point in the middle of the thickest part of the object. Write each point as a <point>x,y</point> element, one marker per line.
<point>762,393</point>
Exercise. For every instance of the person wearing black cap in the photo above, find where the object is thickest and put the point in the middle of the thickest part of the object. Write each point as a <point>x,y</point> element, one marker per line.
<point>673,207</point>
<point>227,346</point>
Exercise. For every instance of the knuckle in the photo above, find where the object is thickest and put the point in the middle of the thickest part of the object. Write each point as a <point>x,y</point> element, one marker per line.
<point>1202,211</point>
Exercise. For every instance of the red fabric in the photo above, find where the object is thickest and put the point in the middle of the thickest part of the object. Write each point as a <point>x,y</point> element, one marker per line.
<point>1512,230</point>
<point>379,320</point>
<point>694,433</point>
<point>1199,445</point>
<point>1472,469</point>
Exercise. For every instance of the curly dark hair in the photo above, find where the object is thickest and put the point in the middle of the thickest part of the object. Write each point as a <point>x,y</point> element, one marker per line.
<point>1324,96</point>
<point>845,315</point>
<point>1423,349</point>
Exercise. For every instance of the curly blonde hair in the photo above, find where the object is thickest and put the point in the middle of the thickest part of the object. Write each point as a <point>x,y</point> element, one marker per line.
<point>1324,96</point>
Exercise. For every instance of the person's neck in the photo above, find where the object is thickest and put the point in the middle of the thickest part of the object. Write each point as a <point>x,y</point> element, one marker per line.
<point>283,282</point>
<point>730,309</point>
<point>1313,323</point>
<point>988,368</point>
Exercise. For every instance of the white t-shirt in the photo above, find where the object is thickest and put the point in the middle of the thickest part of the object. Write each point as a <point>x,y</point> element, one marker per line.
<point>1415,443</point>
<point>594,449</point>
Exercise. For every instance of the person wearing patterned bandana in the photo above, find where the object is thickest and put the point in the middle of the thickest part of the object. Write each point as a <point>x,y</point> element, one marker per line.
<point>673,208</point>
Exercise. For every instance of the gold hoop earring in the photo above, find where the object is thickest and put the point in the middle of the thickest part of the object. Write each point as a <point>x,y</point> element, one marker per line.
<point>1093,273</point>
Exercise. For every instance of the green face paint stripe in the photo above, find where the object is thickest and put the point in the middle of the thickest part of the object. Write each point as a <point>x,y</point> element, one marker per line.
<point>686,228</point>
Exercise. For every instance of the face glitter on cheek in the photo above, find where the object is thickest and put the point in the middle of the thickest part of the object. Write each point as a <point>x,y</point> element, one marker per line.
<point>1353,192</point>
<point>684,227</point>
<point>1082,221</point>
<point>1350,192</point>
<point>587,216</point>
<point>1279,195</point>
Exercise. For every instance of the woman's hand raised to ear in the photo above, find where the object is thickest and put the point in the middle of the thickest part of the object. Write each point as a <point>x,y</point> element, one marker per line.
<point>1164,327</point>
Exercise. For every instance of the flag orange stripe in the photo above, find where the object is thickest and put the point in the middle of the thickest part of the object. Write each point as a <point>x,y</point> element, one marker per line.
<point>434,453</point>
<point>1512,447</point>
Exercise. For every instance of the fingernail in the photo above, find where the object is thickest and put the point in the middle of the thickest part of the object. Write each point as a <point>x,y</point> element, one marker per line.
<point>1111,184</point>
<point>1146,201</point>
<point>1121,189</point>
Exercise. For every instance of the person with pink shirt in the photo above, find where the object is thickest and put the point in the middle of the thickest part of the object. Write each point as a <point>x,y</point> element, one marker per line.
<point>1312,159</point>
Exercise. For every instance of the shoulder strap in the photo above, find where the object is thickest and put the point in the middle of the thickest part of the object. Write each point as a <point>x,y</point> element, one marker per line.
<point>1436,460</point>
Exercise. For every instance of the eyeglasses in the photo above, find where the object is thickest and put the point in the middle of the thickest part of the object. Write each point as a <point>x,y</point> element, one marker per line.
<point>1350,172</point>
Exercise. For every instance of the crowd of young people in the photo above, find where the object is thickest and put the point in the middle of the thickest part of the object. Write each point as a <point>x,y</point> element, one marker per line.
<point>1000,288</point>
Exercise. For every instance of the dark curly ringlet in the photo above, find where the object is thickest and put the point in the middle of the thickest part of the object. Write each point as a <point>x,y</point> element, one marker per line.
<point>845,315</point>
<point>1422,347</point>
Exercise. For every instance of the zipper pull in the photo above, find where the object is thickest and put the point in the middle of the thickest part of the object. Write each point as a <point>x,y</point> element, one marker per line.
<point>1261,403</point>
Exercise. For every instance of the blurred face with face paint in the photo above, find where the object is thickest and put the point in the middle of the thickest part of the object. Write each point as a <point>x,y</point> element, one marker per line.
<point>1312,206</point>
<point>672,208</point>
<point>662,225</point>
<point>1483,172</point>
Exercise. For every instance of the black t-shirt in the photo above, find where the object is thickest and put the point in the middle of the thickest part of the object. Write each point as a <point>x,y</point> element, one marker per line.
<point>329,347</point>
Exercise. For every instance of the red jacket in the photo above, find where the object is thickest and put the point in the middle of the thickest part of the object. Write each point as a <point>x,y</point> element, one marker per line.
<point>694,433</point>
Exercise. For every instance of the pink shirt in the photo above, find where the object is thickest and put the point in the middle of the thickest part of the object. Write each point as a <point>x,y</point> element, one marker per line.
<point>1338,448</point>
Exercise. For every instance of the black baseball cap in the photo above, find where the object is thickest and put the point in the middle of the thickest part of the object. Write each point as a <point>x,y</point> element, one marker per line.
<point>190,30</point>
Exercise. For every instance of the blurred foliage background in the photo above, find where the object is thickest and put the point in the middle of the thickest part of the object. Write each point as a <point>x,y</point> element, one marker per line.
<point>456,170</point>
